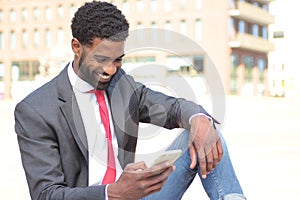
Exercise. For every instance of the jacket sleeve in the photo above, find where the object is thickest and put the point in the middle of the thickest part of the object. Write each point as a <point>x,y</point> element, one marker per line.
<point>166,111</point>
<point>41,159</point>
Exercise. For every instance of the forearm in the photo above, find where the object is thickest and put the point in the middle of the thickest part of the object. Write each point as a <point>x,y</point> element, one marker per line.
<point>46,180</point>
<point>166,111</point>
<point>53,164</point>
<point>77,193</point>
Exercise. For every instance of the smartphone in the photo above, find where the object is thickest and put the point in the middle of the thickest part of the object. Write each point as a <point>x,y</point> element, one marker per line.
<point>170,156</point>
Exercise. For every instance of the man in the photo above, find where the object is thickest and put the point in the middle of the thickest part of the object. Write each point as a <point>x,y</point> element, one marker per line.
<point>69,151</point>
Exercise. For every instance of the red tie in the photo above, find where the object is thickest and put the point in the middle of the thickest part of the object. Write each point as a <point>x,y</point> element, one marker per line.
<point>110,174</point>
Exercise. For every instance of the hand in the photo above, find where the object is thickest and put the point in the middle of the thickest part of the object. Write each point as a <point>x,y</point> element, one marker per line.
<point>205,143</point>
<point>138,181</point>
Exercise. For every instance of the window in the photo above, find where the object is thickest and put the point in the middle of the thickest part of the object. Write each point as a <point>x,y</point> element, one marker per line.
<point>235,62</point>
<point>278,34</point>
<point>60,36</point>
<point>126,7</point>
<point>60,12</point>
<point>1,15</point>
<point>72,11</point>
<point>139,6</point>
<point>12,15</point>
<point>248,63</point>
<point>198,4</point>
<point>231,28</point>
<point>262,65</point>
<point>255,30</point>
<point>241,26</point>
<point>167,34</point>
<point>139,25</point>
<point>265,7</point>
<point>183,27</point>
<point>24,39</point>
<point>24,14</point>
<point>12,40</point>
<point>153,32</point>
<point>255,4</point>
<point>199,63</point>
<point>168,25</point>
<point>153,25</point>
<point>2,71</point>
<point>48,38</point>
<point>249,28</point>
<point>168,5</point>
<point>153,5</point>
<point>48,13</point>
<point>198,29</point>
<point>183,4</point>
<point>1,40</point>
<point>140,34</point>
<point>265,32</point>
<point>36,38</point>
<point>139,59</point>
<point>25,70</point>
<point>36,13</point>
<point>231,4</point>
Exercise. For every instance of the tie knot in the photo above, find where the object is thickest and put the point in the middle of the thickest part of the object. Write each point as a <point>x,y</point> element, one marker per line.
<point>99,95</point>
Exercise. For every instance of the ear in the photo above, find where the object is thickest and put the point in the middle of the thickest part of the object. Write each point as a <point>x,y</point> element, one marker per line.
<point>76,47</point>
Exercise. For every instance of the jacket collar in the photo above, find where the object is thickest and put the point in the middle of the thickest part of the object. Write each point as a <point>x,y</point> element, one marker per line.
<point>70,110</point>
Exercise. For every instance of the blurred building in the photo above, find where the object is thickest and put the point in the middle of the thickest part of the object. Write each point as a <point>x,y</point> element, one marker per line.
<point>35,38</point>
<point>284,66</point>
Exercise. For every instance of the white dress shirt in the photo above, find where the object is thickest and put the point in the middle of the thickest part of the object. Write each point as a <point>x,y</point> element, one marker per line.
<point>95,131</point>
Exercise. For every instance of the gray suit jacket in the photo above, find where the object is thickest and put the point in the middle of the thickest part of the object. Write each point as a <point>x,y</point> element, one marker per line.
<point>52,136</point>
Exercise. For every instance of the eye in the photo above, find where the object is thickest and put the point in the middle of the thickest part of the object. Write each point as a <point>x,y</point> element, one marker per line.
<point>118,59</point>
<point>101,60</point>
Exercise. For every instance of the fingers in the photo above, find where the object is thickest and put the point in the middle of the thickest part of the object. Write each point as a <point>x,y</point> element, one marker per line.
<point>220,149</point>
<point>138,181</point>
<point>156,182</point>
<point>209,161</point>
<point>209,158</point>
<point>135,166</point>
<point>193,156</point>
<point>215,155</point>
<point>202,162</point>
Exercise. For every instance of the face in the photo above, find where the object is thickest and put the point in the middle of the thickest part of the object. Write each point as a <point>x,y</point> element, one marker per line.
<point>97,63</point>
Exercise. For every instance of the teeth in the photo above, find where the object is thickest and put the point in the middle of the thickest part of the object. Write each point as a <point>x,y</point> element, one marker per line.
<point>103,76</point>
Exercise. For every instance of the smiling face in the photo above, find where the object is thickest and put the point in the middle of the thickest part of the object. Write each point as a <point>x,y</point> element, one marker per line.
<point>98,62</point>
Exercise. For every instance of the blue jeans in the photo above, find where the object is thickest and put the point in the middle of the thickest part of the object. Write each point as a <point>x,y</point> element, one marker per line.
<point>220,184</point>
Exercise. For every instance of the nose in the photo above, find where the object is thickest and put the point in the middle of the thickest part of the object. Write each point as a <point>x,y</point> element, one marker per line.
<point>110,69</point>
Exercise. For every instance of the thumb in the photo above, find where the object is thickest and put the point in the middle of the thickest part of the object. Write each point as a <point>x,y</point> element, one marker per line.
<point>193,157</point>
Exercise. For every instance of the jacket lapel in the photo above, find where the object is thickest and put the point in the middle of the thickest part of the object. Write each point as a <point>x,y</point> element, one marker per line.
<point>70,110</point>
<point>118,114</point>
<point>123,107</point>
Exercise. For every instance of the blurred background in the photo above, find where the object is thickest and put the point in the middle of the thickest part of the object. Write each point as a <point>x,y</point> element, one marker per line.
<point>253,44</point>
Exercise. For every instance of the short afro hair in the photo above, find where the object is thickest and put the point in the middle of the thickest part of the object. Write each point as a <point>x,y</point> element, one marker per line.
<point>98,19</point>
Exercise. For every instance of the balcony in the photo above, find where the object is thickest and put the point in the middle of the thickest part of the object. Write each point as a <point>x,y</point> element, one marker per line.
<point>263,1</point>
<point>250,13</point>
<point>250,42</point>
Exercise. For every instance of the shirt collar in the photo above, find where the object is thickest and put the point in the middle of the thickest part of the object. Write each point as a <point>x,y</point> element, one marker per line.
<point>77,82</point>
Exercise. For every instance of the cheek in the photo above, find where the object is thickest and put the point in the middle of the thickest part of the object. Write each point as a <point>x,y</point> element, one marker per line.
<point>118,65</point>
<point>91,66</point>
<point>87,69</point>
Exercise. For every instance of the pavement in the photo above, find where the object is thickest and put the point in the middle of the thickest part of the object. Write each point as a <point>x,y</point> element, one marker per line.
<point>262,135</point>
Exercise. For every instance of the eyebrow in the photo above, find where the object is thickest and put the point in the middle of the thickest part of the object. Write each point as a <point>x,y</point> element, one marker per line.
<point>101,56</point>
<point>121,56</point>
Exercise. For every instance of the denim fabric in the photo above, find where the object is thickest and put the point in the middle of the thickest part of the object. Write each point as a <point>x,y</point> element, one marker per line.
<point>220,184</point>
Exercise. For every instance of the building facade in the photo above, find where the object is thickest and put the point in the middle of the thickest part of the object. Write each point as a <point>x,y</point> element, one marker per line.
<point>284,64</point>
<point>35,38</point>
